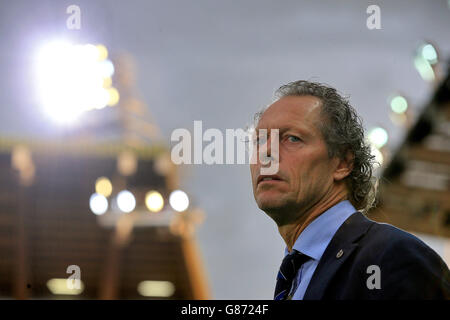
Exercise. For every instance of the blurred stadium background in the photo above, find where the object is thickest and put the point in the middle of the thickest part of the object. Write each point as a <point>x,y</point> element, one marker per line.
<point>87,115</point>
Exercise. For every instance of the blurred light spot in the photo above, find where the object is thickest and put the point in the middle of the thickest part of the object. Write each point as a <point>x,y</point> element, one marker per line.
<point>399,104</point>
<point>22,161</point>
<point>113,97</point>
<point>426,57</point>
<point>127,163</point>
<point>429,53</point>
<point>154,201</point>
<point>179,200</point>
<point>99,99</point>
<point>106,68</point>
<point>70,80</point>
<point>88,51</point>
<point>21,157</point>
<point>378,137</point>
<point>107,82</point>
<point>126,201</point>
<point>59,286</point>
<point>103,186</point>
<point>156,288</point>
<point>163,164</point>
<point>424,68</point>
<point>378,155</point>
<point>98,204</point>
<point>102,52</point>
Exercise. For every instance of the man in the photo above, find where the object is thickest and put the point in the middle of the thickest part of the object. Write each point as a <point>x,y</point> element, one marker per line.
<point>324,177</point>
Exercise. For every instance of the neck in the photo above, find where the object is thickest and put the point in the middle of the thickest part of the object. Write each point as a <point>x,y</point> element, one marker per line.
<point>290,232</point>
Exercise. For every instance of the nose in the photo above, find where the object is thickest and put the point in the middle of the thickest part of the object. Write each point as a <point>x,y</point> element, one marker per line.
<point>266,153</point>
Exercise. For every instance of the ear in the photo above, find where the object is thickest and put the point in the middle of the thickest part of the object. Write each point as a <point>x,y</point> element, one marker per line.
<point>344,167</point>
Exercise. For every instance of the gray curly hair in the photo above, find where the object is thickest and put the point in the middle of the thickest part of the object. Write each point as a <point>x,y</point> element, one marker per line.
<point>343,133</point>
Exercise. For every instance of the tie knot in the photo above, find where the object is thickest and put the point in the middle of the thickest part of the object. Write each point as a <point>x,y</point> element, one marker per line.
<point>290,265</point>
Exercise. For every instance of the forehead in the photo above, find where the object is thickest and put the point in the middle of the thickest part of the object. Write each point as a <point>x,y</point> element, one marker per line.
<point>292,112</point>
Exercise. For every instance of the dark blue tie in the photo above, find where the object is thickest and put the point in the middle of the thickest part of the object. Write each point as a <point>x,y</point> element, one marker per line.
<point>288,269</point>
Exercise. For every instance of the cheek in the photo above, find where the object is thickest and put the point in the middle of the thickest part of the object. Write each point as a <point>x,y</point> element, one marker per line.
<point>252,170</point>
<point>307,175</point>
<point>253,173</point>
<point>321,175</point>
<point>296,178</point>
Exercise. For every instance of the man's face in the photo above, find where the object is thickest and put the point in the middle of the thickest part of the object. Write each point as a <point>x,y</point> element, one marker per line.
<point>305,170</point>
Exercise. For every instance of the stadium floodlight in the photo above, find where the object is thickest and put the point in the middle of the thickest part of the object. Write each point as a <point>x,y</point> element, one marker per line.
<point>378,137</point>
<point>152,288</point>
<point>126,201</point>
<point>58,286</point>
<point>154,201</point>
<point>179,200</point>
<point>379,159</point>
<point>399,104</point>
<point>426,57</point>
<point>429,53</point>
<point>98,204</point>
<point>71,79</point>
<point>103,186</point>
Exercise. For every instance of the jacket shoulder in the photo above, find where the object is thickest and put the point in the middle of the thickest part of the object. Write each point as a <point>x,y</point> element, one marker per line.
<point>389,235</point>
<point>386,240</point>
<point>410,267</point>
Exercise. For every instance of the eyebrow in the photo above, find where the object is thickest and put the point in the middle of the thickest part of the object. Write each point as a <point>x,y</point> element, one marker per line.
<point>282,130</point>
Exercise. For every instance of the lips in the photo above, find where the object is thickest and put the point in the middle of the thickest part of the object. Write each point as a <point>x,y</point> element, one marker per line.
<point>263,178</point>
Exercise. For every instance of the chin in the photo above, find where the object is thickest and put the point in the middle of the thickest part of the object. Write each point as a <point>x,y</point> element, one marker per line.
<point>276,213</point>
<point>268,205</point>
<point>277,209</point>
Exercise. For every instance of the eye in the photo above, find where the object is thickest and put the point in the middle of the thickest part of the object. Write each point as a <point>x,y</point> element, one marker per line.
<point>293,138</point>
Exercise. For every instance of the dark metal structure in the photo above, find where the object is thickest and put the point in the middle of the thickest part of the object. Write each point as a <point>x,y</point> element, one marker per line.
<point>47,225</point>
<point>415,186</point>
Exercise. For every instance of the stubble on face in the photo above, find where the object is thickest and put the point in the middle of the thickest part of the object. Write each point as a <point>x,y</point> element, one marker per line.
<point>304,167</point>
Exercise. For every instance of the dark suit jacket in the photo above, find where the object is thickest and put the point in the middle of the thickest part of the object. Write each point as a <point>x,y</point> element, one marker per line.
<point>409,269</point>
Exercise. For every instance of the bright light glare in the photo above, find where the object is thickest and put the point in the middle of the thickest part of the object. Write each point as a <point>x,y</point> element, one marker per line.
<point>98,204</point>
<point>179,200</point>
<point>103,186</point>
<point>429,53</point>
<point>106,68</point>
<point>70,79</point>
<point>424,68</point>
<point>60,286</point>
<point>113,97</point>
<point>126,201</point>
<point>378,137</point>
<point>154,201</point>
<point>378,155</point>
<point>156,288</point>
<point>399,104</point>
<point>102,52</point>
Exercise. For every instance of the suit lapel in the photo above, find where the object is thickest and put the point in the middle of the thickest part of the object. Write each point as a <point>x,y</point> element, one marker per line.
<point>342,245</point>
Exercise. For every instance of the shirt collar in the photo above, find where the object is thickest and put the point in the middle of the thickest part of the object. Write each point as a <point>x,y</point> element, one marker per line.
<point>315,238</point>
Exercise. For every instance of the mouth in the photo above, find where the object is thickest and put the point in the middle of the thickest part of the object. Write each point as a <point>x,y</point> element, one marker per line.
<point>268,179</point>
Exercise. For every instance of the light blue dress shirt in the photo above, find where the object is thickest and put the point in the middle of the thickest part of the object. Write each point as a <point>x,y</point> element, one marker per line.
<point>313,241</point>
